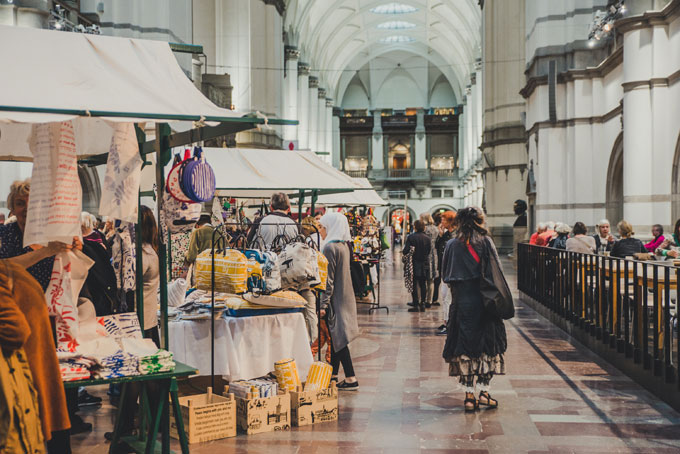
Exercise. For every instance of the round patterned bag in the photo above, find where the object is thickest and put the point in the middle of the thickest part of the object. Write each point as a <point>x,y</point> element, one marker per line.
<point>198,178</point>
<point>172,185</point>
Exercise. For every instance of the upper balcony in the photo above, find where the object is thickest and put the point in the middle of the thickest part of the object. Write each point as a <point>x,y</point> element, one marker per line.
<point>403,175</point>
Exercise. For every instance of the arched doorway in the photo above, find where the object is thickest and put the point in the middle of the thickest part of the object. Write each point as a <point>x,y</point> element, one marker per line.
<point>675,184</point>
<point>614,205</point>
<point>441,208</point>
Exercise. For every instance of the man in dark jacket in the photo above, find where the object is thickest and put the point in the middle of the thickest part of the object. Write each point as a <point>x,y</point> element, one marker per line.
<point>421,244</point>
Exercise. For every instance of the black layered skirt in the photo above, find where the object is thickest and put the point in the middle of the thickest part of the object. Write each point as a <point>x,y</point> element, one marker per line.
<point>475,342</point>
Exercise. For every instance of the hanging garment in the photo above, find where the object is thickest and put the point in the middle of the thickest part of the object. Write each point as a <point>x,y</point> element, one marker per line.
<point>124,256</point>
<point>179,247</point>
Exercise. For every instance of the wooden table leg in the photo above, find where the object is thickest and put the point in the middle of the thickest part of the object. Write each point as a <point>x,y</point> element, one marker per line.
<point>660,309</point>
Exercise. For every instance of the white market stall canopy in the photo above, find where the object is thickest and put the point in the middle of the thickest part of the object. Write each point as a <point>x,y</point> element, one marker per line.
<point>53,76</point>
<point>364,197</point>
<point>257,173</point>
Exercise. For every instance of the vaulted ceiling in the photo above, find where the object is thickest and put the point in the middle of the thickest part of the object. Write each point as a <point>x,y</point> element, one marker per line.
<point>339,37</point>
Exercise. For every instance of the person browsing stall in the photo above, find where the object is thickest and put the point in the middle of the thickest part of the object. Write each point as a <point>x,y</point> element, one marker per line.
<point>278,223</point>
<point>37,260</point>
<point>201,239</point>
<point>338,304</point>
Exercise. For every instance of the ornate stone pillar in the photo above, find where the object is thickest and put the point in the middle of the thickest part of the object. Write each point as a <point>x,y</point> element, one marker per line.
<point>329,130</point>
<point>377,159</point>
<point>303,105</point>
<point>420,141</point>
<point>313,112</point>
<point>290,109</point>
<point>321,118</point>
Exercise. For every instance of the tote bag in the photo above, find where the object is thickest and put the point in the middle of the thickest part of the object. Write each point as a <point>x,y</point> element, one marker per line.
<point>496,295</point>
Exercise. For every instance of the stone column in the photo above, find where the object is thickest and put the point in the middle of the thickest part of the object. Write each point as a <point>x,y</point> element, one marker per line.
<point>290,110</point>
<point>329,130</point>
<point>313,112</point>
<point>321,118</point>
<point>233,49</point>
<point>336,141</point>
<point>421,142</point>
<point>303,105</point>
<point>377,158</point>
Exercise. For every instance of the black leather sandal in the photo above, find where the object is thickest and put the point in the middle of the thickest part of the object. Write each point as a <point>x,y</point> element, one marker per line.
<point>490,401</point>
<point>470,400</point>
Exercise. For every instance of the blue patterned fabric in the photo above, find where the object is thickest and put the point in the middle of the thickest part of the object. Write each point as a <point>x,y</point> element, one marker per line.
<point>11,242</point>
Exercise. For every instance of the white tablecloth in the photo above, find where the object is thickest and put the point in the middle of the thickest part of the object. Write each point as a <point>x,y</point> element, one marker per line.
<point>245,347</point>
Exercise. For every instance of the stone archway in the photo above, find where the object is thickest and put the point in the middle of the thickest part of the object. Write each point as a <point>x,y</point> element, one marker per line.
<point>614,195</point>
<point>675,184</point>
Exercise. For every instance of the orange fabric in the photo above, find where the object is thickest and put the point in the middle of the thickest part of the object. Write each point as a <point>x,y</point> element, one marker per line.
<point>40,349</point>
<point>533,239</point>
<point>544,238</point>
<point>14,330</point>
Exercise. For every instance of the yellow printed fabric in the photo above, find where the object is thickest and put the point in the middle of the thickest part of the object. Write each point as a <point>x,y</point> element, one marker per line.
<point>319,376</point>
<point>287,374</point>
<point>323,270</point>
<point>231,271</point>
<point>282,298</point>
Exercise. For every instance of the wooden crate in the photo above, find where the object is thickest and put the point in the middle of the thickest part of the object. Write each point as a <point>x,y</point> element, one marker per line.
<point>312,407</point>
<point>263,414</point>
<point>207,417</point>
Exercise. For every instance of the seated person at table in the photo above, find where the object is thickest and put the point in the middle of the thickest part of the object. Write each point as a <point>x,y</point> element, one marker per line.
<point>545,237</point>
<point>560,241</point>
<point>627,245</point>
<point>542,227</point>
<point>581,242</point>
<point>657,233</point>
<point>278,223</point>
<point>603,236</point>
<point>672,241</point>
<point>201,239</point>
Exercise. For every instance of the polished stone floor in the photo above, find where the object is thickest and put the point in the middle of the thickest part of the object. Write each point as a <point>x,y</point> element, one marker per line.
<point>557,397</point>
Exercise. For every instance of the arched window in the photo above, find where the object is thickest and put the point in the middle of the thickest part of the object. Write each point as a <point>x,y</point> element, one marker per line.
<point>615,183</point>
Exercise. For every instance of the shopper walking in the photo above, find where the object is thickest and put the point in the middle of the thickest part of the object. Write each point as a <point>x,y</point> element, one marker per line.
<point>476,340</point>
<point>446,229</point>
<point>422,246</point>
<point>431,231</point>
<point>338,304</point>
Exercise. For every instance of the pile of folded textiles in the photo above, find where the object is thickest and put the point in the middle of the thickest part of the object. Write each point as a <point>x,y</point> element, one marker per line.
<point>120,364</point>
<point>73,367</point>
<point>152,360</point>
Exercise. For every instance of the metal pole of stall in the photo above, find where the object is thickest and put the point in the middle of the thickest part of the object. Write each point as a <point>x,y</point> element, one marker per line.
<point>139,273</point>
<point>162,157</point>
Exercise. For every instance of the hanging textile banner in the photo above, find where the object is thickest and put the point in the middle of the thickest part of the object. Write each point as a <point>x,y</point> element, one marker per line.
<point>123,171</point>
<point>56,195</point>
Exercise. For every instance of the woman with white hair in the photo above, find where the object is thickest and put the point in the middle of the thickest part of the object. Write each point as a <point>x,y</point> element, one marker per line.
<point>338,304</point>
<point>560,241</point>
<point>603,237</point>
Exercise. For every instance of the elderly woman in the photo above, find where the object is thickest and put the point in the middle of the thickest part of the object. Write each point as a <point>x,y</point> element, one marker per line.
<point>476,340</point>
<point>338,304</point>
<point>560,241</point>
<point>627,245</point>
<point>37,260</point>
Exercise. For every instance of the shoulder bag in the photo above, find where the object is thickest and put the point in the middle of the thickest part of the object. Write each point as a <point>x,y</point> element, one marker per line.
<point>496,295</point>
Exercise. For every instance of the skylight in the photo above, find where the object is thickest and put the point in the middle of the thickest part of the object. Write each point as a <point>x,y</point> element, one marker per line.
<point>397,39</point>
<point>394,8</point>
<point>396,25</point>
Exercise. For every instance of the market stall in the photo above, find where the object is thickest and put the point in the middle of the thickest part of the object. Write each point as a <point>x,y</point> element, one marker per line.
<point>81,101</point>
<point>242,346</point>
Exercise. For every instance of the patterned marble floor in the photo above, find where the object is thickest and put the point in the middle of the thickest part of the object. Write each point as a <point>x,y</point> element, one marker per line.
<point>557,397</point>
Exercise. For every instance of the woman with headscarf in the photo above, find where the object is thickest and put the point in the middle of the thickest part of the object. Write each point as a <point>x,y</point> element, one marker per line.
<point>476,340</point>
<point>338,304</point>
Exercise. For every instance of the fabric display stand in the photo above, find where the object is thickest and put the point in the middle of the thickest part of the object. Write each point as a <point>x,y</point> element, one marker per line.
<point>94,121</point>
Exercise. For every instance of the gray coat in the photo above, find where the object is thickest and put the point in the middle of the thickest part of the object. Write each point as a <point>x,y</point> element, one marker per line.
<point>338,299</point>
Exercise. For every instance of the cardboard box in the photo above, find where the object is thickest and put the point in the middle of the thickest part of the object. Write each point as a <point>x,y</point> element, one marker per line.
<point>206,417</point>
<point>312,407</point>
<point>263,414</point>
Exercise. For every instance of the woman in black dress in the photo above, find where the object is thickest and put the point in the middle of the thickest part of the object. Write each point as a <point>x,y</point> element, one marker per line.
<point>476,341</point>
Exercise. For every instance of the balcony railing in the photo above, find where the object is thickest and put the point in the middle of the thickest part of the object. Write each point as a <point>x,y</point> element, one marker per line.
<point>357,173</point>
<point>626,310</point>
<point>400,174</point>
<point>443,173</point>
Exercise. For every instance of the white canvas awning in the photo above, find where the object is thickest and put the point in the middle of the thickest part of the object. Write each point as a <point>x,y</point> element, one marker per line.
<point>364,197</point>
<point>256,173</point>
<point>55,76</point>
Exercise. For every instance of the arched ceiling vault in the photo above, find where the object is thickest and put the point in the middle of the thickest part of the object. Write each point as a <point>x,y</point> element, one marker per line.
<point>338,37</point>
